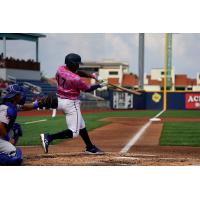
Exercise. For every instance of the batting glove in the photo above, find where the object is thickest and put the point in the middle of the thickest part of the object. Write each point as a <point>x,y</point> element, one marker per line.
<point>97,78</point>
<point>103,83</point>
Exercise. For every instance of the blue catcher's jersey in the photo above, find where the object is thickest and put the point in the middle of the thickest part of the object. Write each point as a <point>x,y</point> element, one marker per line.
<point>8,115</point>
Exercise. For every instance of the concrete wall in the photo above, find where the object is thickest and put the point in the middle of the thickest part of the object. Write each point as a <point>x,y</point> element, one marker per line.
<point>158,74</point>
<point>24,74</point>
<point>196,88</point>
<point>151,87</point>
<point>104,73</point>
<point>198,79</point>
<point>173,76</point>
<point>3,73</point>
<point>88,105</point>
<point>145,80</point>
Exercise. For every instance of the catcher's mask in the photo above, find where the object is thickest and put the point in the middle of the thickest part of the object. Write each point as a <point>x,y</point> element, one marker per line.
<point>73,61</point>
<point>14,90</point>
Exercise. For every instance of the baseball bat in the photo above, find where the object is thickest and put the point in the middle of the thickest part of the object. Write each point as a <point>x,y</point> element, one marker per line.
<point>125,89</point>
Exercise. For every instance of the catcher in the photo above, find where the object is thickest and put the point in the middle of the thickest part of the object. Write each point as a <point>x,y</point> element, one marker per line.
<point>69,86</point>
<point>13,101</point>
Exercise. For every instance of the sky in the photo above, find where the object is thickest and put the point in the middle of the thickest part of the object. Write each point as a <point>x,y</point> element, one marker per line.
<point>121,47</point>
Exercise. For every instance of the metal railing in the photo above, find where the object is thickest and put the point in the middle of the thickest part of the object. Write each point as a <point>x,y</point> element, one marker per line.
<point>11,79</point>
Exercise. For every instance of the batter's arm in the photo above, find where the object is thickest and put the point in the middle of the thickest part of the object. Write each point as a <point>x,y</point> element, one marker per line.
<point>93,87</point>
<point>96,86</point>
<point>85,74</point>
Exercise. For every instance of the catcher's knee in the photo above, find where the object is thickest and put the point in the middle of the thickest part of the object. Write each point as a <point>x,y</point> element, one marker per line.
<point>9,160</point>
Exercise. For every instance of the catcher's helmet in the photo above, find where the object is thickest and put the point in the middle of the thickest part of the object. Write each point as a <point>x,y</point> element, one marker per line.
<point>72,60</point>
<point>13,90</point>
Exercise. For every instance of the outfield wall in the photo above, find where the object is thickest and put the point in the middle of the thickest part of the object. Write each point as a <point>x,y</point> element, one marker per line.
<point>175,100</point>
<point>183,100</point>
<point>93,105</point>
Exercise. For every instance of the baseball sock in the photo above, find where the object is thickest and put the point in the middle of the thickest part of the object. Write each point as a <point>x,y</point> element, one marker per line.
<point>61,135</point>
<point>84,135</point>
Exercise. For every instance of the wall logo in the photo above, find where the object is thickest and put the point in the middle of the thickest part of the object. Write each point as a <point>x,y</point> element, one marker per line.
<point>156,97</point>
<point>192,101</point>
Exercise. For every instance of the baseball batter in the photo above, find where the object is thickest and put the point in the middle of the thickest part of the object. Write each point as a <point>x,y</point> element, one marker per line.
<point>69,86</point>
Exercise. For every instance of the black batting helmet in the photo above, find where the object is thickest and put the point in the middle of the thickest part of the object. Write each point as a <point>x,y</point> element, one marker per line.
<point>72,60</point>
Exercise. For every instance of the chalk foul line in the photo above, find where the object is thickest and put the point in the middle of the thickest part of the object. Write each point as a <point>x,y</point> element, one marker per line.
<point>33,122</point>
<point>136,136</point>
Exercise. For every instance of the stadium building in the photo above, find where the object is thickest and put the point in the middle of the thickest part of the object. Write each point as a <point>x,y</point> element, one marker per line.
<point>179,82</point>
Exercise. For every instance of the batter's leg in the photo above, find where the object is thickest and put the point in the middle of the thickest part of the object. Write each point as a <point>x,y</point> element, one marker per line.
<point>85,137</point>
<point>46,138</point>
<point>71,110</point>
<point>90,148</point>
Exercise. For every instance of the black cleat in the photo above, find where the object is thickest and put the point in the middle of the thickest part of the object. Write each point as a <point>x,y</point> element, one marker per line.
<point>45,141</point>
<point>93,150</point>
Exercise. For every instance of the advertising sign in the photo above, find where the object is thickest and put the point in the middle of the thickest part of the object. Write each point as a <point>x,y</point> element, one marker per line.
<point>192,101</point>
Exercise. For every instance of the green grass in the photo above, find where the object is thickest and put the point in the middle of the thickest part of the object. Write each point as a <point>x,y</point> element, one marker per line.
<point>181,113</point>
<point>31,132</point>
<point>180,134</point>
<point>172,134</point>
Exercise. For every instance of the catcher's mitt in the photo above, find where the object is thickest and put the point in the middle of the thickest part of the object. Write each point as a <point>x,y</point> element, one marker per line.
<point>49,101</point>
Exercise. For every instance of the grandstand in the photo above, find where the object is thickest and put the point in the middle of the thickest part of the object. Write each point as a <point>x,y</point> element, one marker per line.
<point>14,67</point>
<point>25,72</point>
<point>37,87</point>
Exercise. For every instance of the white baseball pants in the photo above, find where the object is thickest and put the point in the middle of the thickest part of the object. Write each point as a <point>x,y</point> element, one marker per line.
<point>74,119</point>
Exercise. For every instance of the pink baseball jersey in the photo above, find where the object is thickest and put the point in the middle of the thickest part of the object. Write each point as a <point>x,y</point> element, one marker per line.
<point>69,84</point>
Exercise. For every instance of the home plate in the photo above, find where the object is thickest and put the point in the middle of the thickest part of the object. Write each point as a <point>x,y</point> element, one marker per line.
<point>155,119</point>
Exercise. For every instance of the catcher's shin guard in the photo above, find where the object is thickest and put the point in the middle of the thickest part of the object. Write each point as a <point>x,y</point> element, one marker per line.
<point>10,160</point>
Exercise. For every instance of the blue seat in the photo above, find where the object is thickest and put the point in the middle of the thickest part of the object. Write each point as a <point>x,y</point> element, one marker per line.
<point>46,87</point>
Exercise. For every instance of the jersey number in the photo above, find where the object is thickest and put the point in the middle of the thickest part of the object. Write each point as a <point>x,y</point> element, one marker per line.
<point>61,81</point>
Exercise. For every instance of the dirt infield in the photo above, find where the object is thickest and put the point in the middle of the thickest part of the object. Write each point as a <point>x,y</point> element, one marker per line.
<point>112,138</point>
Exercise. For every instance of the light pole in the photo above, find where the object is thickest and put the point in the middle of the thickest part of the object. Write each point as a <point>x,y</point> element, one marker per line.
<point>141,61</point>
